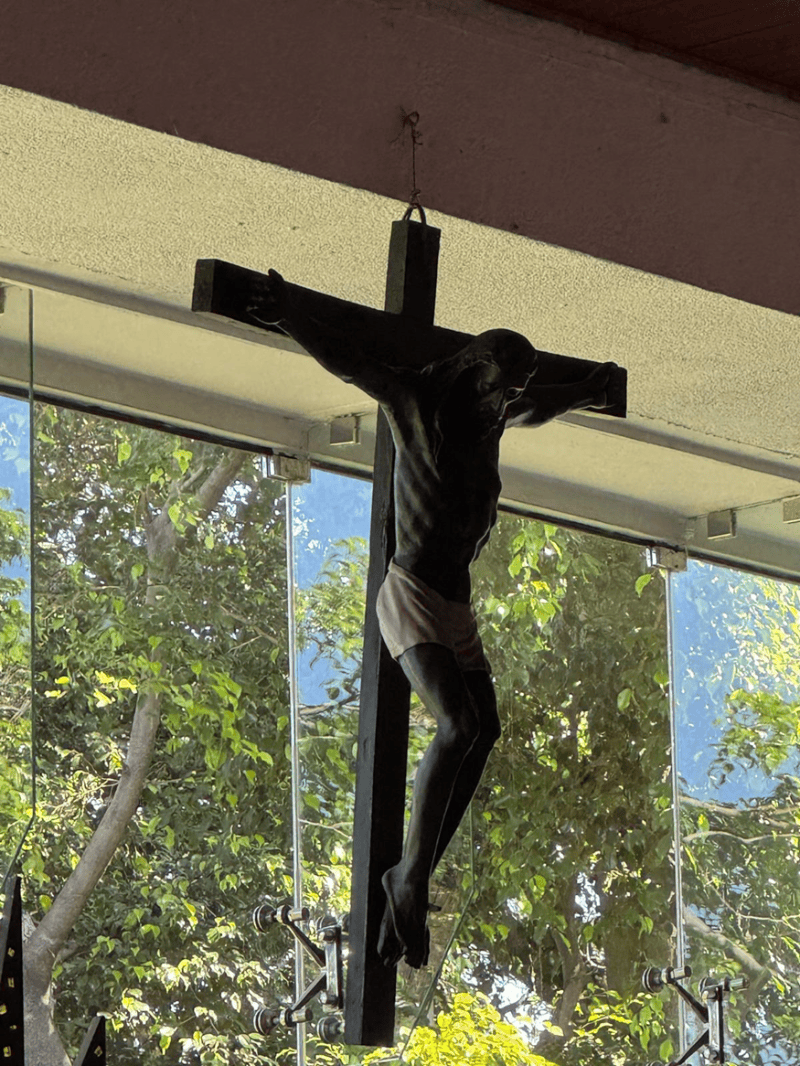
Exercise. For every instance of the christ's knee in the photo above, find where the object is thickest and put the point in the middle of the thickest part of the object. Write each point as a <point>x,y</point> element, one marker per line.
<point>458,732</point>
<point>485,702</point>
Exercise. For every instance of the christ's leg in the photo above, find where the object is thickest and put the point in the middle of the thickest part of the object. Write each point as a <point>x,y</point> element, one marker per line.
<point>434,674</point>
<point>482,691</point>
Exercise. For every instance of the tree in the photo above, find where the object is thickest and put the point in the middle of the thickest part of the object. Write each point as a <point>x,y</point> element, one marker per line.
<point>472,1032</point>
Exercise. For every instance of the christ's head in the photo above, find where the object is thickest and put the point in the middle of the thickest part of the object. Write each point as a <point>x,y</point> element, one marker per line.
<point>502,364</point>
<point>481,381</point>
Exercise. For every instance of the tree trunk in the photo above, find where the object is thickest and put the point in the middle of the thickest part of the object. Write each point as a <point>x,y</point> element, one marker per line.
<point>43,1046</point>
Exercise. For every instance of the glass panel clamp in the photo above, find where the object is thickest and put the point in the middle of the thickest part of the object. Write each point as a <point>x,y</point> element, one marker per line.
<point>327,986</point>
<point>710,1008</point>
<point>293,468</point>
<point>659,557</point>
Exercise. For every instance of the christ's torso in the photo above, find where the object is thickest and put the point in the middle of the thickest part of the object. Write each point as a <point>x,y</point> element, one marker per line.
<point>446,488</point>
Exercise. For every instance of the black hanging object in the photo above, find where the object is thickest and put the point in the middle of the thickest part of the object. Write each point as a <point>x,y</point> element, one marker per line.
<point>12,1023</point>
<point>93,1048</point>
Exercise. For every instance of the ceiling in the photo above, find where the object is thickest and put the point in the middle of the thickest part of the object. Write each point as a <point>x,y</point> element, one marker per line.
<point>99,258</point>
<point>754,42</point>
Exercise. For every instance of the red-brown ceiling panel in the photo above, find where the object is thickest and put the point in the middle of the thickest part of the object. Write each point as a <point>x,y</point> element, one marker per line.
<point>754,42</point>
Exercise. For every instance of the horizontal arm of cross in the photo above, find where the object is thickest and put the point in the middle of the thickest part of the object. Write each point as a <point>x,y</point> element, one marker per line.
<point>226,291</point>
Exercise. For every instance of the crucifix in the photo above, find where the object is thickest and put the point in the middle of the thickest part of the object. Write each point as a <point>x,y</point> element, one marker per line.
<point>445,398</point>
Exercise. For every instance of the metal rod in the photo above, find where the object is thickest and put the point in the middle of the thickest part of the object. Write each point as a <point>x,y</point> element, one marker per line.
<point>294,719</point>
<point>676,802</point>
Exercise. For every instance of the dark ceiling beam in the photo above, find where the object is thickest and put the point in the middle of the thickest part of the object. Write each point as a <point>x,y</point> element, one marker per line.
<point>643,44</point>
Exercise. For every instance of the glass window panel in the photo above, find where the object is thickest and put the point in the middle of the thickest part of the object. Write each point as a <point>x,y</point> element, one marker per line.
<point>555,895</point>
<point>161,602</point>
<point>558,890</point>
<point>17,773</point>
<point>331,521</point>
<point>572,824</point>
<point>736,647</point>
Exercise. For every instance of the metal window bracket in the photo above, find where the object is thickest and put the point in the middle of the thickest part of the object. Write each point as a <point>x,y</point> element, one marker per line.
<point>710,1008</point>
<point>294,468</point>
<point>661,558</point>
<point>327,986</point>
<point>345,430</point>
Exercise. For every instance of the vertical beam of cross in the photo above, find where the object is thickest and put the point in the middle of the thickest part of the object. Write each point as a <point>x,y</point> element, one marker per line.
<point>383,713</point>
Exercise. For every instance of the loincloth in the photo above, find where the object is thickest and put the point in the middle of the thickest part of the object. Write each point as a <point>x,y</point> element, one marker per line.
<point>411,613</point>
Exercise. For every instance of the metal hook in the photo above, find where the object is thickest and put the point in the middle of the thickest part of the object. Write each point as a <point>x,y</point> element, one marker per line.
<point>415,206</point>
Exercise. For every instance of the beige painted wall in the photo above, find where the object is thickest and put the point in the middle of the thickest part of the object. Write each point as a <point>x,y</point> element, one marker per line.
<point>527,126</point>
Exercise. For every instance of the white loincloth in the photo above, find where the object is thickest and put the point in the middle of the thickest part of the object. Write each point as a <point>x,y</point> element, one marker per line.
<point>411,613</point>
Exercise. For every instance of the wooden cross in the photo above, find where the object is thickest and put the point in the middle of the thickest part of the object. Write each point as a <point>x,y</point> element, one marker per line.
<point>405,335</point>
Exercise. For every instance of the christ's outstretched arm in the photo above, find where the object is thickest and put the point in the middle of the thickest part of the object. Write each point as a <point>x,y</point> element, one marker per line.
<point>542,403</point>
<point>339,353</point>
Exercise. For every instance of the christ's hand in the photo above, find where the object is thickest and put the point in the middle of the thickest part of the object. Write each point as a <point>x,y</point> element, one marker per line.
<point>597,385</point>
<point>270,304</point>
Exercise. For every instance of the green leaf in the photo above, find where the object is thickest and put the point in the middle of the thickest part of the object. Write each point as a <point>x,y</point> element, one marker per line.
<point>642,582</point>
<point>183,458</point>
<point>175,512</point>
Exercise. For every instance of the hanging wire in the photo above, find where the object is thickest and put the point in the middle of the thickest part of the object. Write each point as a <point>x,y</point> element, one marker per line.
<point>294,719</point>
<point>410,119</point>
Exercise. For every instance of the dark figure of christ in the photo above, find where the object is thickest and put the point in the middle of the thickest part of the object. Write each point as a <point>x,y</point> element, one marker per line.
<point>446,421</point>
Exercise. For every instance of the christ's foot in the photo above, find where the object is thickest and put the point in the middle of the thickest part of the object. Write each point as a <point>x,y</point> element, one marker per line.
<point>390,948</point>
<point>404,929</point>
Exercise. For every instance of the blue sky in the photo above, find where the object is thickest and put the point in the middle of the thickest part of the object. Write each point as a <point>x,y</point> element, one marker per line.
<point>14,450</point>
<point>15,466</point>
<point>712,656</point>
<point>331,507</point>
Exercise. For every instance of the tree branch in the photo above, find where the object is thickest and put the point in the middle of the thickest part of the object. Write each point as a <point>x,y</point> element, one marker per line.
<point>702,835</point>
<point>51,933</point>
<point>211,491</point>
<point>730,812</point>
<point>757,972</point>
